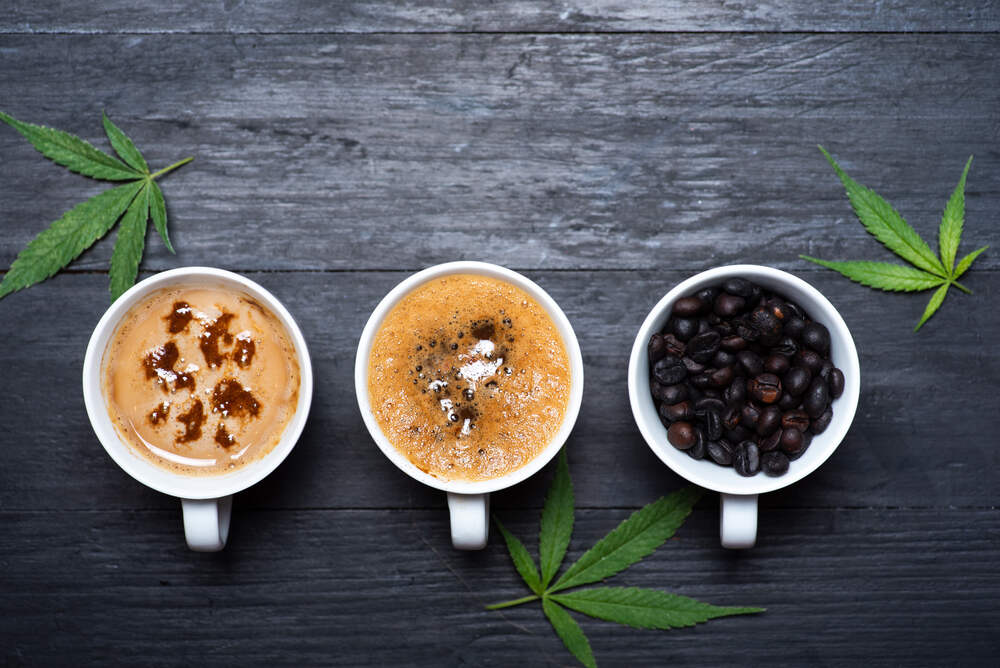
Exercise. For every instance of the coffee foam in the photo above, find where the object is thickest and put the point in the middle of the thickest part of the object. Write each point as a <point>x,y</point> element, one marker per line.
<point>200,380</point>
<point>468,377</point>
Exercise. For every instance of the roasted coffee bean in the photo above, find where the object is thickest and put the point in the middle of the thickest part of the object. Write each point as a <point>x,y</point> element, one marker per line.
<point>684,328</point>
<point>765,388</point>
<point>786,346</point>
<point>774,463</point>
<point>824,371</point>
<point>679,411</point>
<point>820,424</point>
<point>726,305</point>
<point>806,440</point>
<point>749,415</point>
<point>777,364</point>
<point>699,449</point>
<point>737,435</point>
<point>795,420</point>
<point>769,442</point>
<point>810,360</point>
<point>700,381</point>
<point>656,349</point>
<point>835,381</point>
<point>686,307</point>
<point>712,393</point>
<point>703,347</point>
<point>721,377</point>
<point>746,458</point>
<point>816,398</point>
<point>710,404</point>
<point>713,424</point>
<point>796,380</point>
<point>682,435</point>
<point>664,421</point>
<point>723,358</point>
<point>756,294</point>
<point>791,441</point>
<point>731,416</point>
<point>817,337</point>
<point>721,452</point>
<point>769,421</point>
<point>669,370</point>
<point>707,296</point>
<point>736,393</point>
<point>674,345</point>
<point>779,309</point>
<point>740,287</point>
<point>765,322</point>
<point>672,394</point>
<point>733,343</point>
<point>692,366</point>
<point>694,394</point>
<point>751,362</point>
<point>747,331</point>
<point>794,326</point>
<point>787,402</point>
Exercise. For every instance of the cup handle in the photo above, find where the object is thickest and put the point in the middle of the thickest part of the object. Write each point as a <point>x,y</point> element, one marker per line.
<point>206,523</point>
<point>738,520</point>
<point>470,520</point>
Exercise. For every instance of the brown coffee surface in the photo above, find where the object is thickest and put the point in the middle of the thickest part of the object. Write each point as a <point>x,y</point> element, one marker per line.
<point>200,380</point>
<point>468,377</point>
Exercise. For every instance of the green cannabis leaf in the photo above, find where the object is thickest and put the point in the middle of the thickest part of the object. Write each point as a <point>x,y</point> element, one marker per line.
<point>886,225</point>
<point>636,537</point>
<point>134,203</point>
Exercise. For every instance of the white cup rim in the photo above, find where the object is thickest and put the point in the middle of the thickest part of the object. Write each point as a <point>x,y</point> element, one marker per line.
<point>569,341</point>
<point>704,472</point>
<point>172,482</point>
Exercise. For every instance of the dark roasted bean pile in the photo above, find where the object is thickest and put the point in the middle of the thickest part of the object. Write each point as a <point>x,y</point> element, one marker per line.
<point>742,377</point>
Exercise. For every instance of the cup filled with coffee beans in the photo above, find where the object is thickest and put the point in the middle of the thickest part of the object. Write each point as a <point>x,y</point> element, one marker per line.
<point>469,378</point>
<point>743,379</point>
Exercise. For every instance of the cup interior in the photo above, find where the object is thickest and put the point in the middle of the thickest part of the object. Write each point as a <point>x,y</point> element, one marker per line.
<point>163,480</point>
<point>706,473</point>
<point>569,341</point>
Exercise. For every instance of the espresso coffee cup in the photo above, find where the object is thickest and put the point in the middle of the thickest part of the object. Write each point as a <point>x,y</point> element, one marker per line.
<point>738,495</point>
<point>206,500</point>
<point>468,501</point>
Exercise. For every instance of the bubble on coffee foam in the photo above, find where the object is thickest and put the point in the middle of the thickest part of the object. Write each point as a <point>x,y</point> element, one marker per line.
<point>436,385</point>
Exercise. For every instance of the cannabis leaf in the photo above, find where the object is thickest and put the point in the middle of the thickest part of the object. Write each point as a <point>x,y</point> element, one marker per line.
<point>134,203</point>
<point>636,537</point>
<point>886,225</point>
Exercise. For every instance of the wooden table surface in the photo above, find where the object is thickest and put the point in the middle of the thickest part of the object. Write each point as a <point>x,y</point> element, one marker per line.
<point>607,150</point>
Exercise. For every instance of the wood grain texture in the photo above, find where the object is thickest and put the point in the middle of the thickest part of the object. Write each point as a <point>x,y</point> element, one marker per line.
<point>363,16</point>
<point>919,438</point>
<point>385,152</point>
<point>881,588</point>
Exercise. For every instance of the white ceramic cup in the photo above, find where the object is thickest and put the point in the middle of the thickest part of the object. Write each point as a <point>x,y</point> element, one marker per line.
<point>206,501</point>
<point>469,502</point>
<point>738,500</point>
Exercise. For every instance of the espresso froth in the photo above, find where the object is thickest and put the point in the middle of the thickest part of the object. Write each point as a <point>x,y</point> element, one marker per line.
<point>468,377</point>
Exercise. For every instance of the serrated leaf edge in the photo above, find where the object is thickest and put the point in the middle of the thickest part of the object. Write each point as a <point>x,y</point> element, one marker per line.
<point>556,526</point>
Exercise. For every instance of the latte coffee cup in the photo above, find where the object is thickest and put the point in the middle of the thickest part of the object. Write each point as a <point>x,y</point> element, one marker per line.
<point>469,378</point>
<point>197,382</point>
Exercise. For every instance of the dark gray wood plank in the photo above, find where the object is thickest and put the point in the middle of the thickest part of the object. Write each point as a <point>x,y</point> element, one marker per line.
<point>920,439</point>
<point>872,587</point>
<point>543,152</point>
<point>309,16</point>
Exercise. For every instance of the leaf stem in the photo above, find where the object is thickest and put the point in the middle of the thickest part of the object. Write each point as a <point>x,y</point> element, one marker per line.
<point>510,604</point>
<point>170,168</point>
<point>962,287</point>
